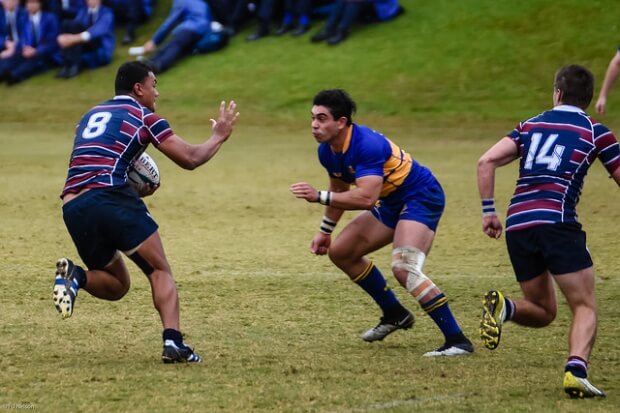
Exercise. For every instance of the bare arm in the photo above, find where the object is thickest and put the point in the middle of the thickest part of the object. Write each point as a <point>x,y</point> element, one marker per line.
<point>613,70</point>
<point>502,153</point>
<point>189,156</point>
<point>363,196</point>
<point>336,185</point>
<point>616,176</point>
<point>322,240</point>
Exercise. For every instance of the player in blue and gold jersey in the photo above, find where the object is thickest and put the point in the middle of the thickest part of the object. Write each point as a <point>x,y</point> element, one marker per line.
<point>544,238</point>
<point>105,216</point>
<point>403,203</point>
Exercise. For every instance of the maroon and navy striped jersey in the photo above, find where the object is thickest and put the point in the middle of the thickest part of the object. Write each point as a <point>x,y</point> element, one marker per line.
<point>108,137</point>
<point>556,149</point>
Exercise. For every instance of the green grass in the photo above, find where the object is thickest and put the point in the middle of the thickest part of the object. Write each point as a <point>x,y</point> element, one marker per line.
<point>453,61</point>
<point>278,327</point>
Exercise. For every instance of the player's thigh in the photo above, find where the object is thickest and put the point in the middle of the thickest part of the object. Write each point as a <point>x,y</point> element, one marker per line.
<point>118,269</point>
<point>361,236</point>
<point>152,251</point>
<point>578,287</point>
<point>413,234</point>
<point>540,291</point>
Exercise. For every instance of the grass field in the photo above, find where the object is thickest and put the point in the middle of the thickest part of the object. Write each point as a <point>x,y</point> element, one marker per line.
<point>279,328</point>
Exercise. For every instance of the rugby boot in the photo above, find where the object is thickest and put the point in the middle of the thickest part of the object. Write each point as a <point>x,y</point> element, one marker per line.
<point>579,388</point>
<point>463,348</point>
<point>65,287</point>
<point>178,354</point>
<point>493,314</point>
<point>387,326</point>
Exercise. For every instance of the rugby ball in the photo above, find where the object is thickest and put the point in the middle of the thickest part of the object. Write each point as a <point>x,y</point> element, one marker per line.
<point>143,171</point>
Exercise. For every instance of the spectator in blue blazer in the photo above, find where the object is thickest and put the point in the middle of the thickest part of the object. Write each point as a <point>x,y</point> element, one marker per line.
<point>130,13</point>
<point>292,8</point>
<point>12,20</point>
<point>39,48</point>
<point>88,40</point>
<point>347,12</point>
<point>189,21</point>
<point>66,9</point>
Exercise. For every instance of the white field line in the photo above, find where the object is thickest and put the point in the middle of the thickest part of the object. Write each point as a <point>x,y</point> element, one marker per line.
<point>418,401</point>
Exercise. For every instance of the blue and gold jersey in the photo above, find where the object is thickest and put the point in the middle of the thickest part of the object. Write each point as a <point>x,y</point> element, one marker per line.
<point>367,152</point>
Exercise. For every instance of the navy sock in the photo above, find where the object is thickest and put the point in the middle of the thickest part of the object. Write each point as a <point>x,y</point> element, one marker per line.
<point>80,276</point>
<point>304,20</point>
<point>510,309</point>
<point>174,335</point>
<point>577,366</point>
<point>287,19</point>
<point>439,310</point>
<point>372,281</point>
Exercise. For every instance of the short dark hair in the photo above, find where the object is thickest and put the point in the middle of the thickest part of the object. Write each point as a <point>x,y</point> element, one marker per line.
<point>338,102</point>
<point>576,84</point>
<point>130,73</point>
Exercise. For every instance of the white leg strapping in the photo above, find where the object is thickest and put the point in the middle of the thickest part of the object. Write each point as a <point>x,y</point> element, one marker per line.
<point>411,260</point>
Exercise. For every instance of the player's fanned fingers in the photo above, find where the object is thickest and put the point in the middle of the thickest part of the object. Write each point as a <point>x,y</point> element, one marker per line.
<point>232,106</point>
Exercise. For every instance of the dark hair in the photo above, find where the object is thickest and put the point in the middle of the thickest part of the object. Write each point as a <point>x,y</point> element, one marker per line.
<point>576,84</point>
<point>338,102</point>
<point>130,73</point>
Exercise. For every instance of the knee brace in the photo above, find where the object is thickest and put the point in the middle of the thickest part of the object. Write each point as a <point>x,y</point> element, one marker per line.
<point>411,260</point>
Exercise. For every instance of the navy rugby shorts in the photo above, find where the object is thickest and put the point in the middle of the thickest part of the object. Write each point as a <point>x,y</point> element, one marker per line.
<point>560,248</point>
<point>102,221</point>
<point>425,205</point>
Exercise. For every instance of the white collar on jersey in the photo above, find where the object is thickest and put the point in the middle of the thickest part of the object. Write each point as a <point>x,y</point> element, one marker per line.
<point>120,97</point>
<point>569,108</point>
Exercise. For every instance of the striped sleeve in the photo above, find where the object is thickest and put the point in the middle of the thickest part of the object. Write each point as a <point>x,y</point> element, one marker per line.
<point>515,135</point>
<point>607,147</point>
<point>158,129</point>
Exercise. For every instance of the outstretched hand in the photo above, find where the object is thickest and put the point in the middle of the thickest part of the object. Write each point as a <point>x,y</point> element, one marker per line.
<point>223,126</point>
<point>305,191</point>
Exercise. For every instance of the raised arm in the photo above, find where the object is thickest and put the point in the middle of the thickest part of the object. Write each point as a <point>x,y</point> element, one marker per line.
<point>190,156</point>
<point>616,176</point>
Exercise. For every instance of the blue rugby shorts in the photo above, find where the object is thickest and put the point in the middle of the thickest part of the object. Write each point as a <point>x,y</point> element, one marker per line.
<point>102,221</point>
<point>560,248</point>
<point>424,204</point>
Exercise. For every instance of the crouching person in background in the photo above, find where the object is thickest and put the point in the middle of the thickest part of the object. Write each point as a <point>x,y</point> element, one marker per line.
<point>189,21</point>
<point>39,48</point>
<point>13,18</point>
<point>88,40</point>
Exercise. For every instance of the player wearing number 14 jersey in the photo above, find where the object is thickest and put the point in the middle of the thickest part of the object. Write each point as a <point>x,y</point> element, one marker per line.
<point>104,216</point>
<point>544,238</point>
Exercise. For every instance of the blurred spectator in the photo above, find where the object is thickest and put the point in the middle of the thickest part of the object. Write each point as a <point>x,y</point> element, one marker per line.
<point>295,8</point>
<point>66,9</point>
<point>346,12</point>
<point>189,21</point>
<point>221,10</point>
<point>131,13</point>
<point>12,20</point>
<point>264,16</point>
<point>39,49</point>
<point>87,40</point>
<point>238,12</point>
